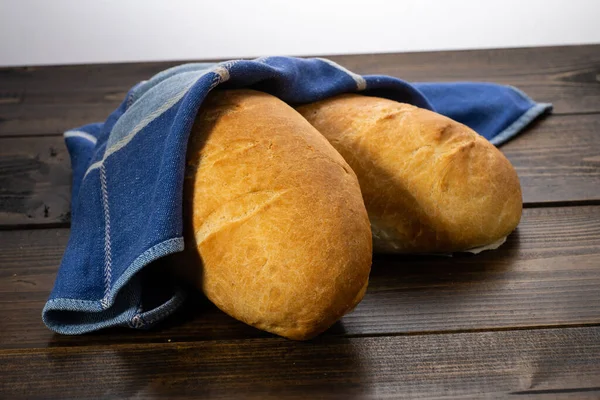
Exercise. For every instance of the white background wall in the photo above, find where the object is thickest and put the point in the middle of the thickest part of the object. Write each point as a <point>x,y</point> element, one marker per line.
<point>84,31</point>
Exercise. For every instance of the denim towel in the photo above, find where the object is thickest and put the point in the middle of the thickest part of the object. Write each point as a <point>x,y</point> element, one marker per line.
<point>126,205</point>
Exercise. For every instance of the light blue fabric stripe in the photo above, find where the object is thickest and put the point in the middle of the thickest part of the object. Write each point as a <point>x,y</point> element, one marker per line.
<point>145,86</point>
<point>152,104</point>
<point>517,126</point>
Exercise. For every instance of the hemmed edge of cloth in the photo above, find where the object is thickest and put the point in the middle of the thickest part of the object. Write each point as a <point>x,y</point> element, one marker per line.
<point>525,119</point>
<point>99,314</point>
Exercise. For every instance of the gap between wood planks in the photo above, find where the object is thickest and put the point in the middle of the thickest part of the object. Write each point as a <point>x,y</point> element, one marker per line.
<point>545,276</point>
<point>469,364</point>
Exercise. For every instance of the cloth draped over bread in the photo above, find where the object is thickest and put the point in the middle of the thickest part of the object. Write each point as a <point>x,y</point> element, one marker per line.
<point>126,204</point>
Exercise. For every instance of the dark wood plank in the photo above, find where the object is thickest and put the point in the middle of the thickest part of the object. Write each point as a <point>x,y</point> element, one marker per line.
<point>51,119</point>
<point>545,275</point>
<point>88,78</point>
<point>466,365</point>
<point>557,161</point>
<point>35,181</point>
<point>45,100</point>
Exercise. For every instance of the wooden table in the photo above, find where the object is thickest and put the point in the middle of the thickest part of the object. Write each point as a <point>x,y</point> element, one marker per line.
<point>522,321</point>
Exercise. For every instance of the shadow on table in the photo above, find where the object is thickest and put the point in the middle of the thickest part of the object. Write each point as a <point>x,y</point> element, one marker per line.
<point>200,351</point>
<point>403,291</point>
<point>431,270</point>
<point>192,354</point>
<point>246,368</point>
<point>410,294</point>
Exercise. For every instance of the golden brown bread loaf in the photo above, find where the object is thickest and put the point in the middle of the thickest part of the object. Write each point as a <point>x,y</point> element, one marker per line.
<point>276,225</point>
<point>430,184</point>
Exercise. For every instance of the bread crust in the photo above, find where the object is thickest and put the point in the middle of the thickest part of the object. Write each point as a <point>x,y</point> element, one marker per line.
<point>276,230</point>
<point>430,184</point>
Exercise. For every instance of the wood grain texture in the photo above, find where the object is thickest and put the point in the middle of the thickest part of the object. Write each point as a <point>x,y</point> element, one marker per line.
<point>35,181</point>
<point>547,274</point>
<point>51,119</point>
<point>557,161</point>
<point>465,365</point>
<point>50,100</point>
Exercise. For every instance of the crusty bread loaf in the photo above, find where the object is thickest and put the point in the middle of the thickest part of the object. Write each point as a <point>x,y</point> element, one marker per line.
<point>430,184</point>
<point>276,224</point>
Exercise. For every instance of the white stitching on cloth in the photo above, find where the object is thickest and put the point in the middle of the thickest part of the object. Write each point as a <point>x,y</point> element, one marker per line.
<point>107,248</point>
<point>80,134</point>
<point>222,72</point>
<point>139,322</point>
<point>361,83</point>
<point>136,322</point>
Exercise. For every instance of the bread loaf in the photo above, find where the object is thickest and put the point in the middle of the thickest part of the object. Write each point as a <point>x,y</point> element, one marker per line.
<point>277,234</point>
<point>430,184</point>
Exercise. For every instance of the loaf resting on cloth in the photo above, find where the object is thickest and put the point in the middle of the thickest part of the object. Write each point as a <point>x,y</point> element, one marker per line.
<point>128,174</point>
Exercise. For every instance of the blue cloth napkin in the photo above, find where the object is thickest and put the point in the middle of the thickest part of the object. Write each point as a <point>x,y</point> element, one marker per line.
<point>126,209</point>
